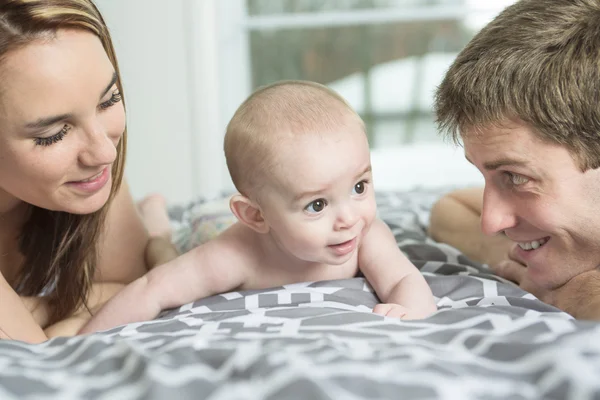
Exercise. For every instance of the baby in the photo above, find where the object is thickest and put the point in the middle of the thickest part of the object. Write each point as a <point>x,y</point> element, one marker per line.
<point>299,157</point>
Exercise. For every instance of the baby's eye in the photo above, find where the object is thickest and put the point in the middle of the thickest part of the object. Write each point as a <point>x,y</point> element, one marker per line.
<point>516,179</point>
<point>316,206</point>
<point>360,187</point>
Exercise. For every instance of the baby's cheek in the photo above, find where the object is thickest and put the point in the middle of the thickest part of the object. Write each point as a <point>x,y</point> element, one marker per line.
<point>372,213</point>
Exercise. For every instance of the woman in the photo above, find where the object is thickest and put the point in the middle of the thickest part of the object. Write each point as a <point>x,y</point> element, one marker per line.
<point>70,235</point>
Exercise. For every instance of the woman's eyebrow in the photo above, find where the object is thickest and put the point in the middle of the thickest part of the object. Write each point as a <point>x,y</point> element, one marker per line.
<point>48,121</point>
<point>112,82</point>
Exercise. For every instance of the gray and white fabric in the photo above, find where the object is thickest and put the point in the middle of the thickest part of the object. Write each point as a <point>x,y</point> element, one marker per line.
<point>489,340</point>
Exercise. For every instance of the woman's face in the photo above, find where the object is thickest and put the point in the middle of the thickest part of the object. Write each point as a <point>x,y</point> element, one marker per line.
<point>61,118</point>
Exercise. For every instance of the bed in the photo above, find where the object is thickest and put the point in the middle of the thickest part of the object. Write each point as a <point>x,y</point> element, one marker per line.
<point>489,339</point>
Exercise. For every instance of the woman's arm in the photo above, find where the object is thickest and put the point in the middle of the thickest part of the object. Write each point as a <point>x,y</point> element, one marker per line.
<point>99,294</point>
<point>16,322</point>
<point>121,251</point>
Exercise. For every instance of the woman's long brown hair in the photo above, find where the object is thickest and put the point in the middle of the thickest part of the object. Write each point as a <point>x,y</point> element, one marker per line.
<point>60,249</point>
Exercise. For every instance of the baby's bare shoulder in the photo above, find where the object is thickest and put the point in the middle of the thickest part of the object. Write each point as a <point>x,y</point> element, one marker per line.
<point>378,244</point>
<point>378,231</point>
<point>238,241</point>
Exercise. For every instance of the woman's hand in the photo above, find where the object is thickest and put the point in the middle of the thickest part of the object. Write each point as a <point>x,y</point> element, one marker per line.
<point>16,321</point>
<point>39,309</point>
<point>99,294</point>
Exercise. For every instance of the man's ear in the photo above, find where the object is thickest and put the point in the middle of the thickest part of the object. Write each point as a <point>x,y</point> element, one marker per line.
<point>248,213</point>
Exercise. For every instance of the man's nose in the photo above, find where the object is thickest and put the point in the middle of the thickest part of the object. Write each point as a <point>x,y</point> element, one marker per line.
<point>497,213</point>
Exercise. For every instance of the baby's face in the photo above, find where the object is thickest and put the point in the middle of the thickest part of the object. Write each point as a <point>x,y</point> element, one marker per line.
<point>320,202</point>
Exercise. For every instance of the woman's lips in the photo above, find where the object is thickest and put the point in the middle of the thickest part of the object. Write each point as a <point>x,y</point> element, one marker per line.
<point>92,184</point>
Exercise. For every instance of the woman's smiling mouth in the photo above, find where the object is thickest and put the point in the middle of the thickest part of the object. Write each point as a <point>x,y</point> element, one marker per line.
<point>93,183</point>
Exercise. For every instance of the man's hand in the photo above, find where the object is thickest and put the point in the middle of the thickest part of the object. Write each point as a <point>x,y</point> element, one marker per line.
<point>580,296</point>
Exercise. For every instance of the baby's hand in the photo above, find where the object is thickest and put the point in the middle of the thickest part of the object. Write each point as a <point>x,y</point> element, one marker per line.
<point>398,311</point>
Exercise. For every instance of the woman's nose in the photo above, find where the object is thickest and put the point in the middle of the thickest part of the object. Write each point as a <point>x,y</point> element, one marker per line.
<point>97,148</point>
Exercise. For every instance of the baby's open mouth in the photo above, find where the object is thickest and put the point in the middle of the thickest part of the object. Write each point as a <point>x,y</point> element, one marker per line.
<point>533,245</point>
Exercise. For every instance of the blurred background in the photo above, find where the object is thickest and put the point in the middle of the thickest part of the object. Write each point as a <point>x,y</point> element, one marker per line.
<point>187,66</point>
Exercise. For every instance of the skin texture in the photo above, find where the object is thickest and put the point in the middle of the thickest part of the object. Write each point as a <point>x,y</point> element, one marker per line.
<point>319,195</point>
<point>533,190</point>
<point>67,75</point>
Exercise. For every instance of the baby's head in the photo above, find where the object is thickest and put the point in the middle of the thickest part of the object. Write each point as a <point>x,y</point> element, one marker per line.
<point>299,156</point>
<point>274,116</point>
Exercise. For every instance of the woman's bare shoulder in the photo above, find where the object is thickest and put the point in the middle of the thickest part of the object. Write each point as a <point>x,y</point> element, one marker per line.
<point>121,250</point>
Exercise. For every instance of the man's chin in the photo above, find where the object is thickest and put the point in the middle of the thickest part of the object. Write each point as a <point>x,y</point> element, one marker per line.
<point>544,276</point>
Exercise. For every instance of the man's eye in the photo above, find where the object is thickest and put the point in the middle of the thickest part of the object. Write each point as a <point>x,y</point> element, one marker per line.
<point>316,206</point>
<point>516,179</point>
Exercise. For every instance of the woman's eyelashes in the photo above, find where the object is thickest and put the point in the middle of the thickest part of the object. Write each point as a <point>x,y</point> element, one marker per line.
<point>114,99</point>
<point>47,141</point>
<point>57,137</point>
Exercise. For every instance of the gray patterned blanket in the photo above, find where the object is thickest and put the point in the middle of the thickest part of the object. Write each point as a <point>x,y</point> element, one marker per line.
<point>489,340</point>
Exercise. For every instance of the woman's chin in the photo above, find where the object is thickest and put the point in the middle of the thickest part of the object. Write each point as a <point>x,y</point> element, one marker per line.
<point>88,205</point>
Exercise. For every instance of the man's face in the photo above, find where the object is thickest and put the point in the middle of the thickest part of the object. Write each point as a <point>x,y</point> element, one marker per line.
<point>538,197</point>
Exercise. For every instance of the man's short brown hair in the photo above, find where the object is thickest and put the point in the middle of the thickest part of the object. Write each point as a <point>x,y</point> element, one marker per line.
<point>537,62</point>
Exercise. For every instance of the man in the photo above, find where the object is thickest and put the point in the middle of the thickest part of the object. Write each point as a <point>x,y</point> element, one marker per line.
<point>523,97</point>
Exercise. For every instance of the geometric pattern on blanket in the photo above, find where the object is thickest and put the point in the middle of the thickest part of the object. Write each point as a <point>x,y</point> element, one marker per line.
<point>489,340</point>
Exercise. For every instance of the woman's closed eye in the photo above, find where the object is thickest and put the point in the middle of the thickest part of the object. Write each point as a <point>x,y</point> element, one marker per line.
<point>50,140</point>
<point>57,137</point>
<point>114,99</point>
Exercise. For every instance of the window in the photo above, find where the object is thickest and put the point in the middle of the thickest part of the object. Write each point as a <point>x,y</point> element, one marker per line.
<point>386,57</point>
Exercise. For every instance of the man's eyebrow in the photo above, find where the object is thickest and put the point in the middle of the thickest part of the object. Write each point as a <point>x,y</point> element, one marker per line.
<point>492,165</point>
<point>302,195</point>
<point>48,121</point>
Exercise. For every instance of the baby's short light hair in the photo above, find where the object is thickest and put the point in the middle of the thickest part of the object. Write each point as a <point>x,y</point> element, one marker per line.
<point>274,113</point>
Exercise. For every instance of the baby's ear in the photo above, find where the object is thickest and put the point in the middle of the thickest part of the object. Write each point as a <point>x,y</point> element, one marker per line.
<point>248,213</point>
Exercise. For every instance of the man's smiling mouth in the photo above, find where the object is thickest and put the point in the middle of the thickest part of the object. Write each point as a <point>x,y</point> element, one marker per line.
<point>533,245</point>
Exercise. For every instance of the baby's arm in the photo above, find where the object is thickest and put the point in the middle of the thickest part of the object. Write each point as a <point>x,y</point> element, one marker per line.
<point>395,279</point>
<point>214,267</point>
